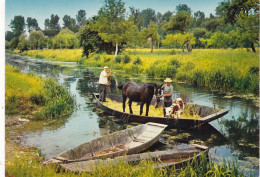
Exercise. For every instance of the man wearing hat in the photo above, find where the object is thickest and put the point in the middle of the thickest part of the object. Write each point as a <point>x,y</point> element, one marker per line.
<point>103,83</point>
<point>167,90</point>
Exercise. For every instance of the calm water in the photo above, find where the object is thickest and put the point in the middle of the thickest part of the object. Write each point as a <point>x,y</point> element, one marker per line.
<point>234,136</point>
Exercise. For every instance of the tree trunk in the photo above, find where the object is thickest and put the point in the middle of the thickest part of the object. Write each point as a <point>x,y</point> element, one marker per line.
<point>114,55</point>
<point>182,49</point>
<point>253,47</point>
<point>152,46</point>
<point>189,47</point>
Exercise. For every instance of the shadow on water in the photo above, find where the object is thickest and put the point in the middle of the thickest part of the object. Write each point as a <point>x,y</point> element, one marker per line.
<point>235,135</point>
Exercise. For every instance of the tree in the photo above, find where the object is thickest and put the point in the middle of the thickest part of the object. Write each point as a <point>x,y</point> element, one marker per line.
<point>70,23</point>
<point>36,39</point>
<point>180,40</point>
<point>111,23</point>
<point>244,12</point>
<point>179,22</point>
<point>81,17</point>
<point>14,42</point>
<point>52,26</point>
<point>136,17</point>
<point>66,38</point>
<point>218,40</point>
<point>183,7</point>
<point>23,43</point>
<point>151,32</point>
<point>147,16</point>
<point>199,17</point>
<point>9,36</point>
<point>7,44</point>
<point>32,24</point>
<point>199,33</point>
<point>17,25</point>
<point>133,36</point>
<point>92,42</point>
<point>249,30</point>
<point>166,16</point>
<point>212,24</point>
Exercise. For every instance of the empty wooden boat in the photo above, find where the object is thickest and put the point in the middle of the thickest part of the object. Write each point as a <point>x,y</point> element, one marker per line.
<point>128,141</point>
<point>170,158</point>
<point>207,114</point>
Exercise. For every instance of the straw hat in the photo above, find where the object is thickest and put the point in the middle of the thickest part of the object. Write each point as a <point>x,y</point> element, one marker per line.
<point>105,67</point>
<point>168,80</point>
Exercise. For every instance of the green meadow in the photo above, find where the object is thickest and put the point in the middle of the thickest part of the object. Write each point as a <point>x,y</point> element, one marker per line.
<point>225,70</point>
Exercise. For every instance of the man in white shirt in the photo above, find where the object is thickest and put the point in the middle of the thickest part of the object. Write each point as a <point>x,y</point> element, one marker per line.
<point>103,83</point>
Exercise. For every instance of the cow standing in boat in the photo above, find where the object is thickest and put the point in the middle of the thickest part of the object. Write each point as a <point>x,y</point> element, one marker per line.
<point>176,108</point>
<point>140,93</point>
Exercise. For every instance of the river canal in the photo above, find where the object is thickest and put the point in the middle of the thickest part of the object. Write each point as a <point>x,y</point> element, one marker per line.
<point>234,136</point>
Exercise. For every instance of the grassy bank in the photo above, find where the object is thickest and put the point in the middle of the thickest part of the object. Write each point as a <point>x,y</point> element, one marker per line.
<point>35,97</point>
<point>225,70</point>
<point>26,161</point>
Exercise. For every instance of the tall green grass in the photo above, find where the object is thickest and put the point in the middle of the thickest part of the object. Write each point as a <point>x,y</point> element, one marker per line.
<point>35,97</point>
<point>198,167</point>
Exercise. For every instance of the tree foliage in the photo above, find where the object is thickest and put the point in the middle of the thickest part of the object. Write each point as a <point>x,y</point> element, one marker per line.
<point>52,26</point>
<point>17,25</point>
<point>32,24</point>
<point>36,39</point>
<point>81,17</point>
<point>66,39</point>
<point>179,40</point>
<point>179,22</point>
<point>184,8</point>
<point>70,23</point>
<point>151,32</point>
<point>148,15</point>
<point>23,43</point>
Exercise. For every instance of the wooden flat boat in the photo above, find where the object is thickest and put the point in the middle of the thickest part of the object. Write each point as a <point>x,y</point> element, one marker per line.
<point>163,159</point>
<point>129,141</point>
<point>207,114</point>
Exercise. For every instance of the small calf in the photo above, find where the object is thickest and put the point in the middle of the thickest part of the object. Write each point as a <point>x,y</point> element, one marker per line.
<point>175,109</point>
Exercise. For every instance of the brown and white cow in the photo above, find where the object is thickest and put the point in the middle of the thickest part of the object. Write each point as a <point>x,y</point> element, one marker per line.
<point>175,109</point>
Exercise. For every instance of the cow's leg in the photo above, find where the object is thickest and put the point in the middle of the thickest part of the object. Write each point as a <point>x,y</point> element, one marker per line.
<point>130,106</point>
<point>124,100</point>
<point>141,108</point>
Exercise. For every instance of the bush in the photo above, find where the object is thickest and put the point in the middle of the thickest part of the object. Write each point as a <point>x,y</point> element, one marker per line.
<point>58,99</point>
<point>96,57</point>
<point>106,59</point>
<point>161,71</point>
<point>189,66</point>
<point>126,59</point>
<point>38,99</point>
<point>175,63</point>
<point>137,61</point>
<point>118,59</point>
<point>254,70</point>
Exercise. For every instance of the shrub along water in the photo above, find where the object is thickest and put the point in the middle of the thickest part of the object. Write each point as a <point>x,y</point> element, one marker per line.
<point>228,70</point>
<point>35,97</point>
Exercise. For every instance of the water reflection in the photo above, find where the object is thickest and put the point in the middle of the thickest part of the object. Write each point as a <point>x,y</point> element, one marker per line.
<point>243,133</point>
<point>235,135</point>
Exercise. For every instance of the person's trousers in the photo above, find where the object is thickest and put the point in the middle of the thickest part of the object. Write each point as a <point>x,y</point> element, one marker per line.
<point>102,92</point>
<point>166,104</point>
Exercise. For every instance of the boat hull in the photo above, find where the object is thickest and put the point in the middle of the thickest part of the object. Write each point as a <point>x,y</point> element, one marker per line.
<point>181,123</point>
<point>163,159</point>
<point>128,141</point>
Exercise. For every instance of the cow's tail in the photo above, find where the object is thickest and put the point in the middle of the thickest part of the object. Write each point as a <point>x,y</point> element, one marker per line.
<point>120,87</point>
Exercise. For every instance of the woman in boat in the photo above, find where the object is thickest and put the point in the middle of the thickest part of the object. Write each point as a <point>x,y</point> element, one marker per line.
<point>167,91</point>
<point>103,84</point>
